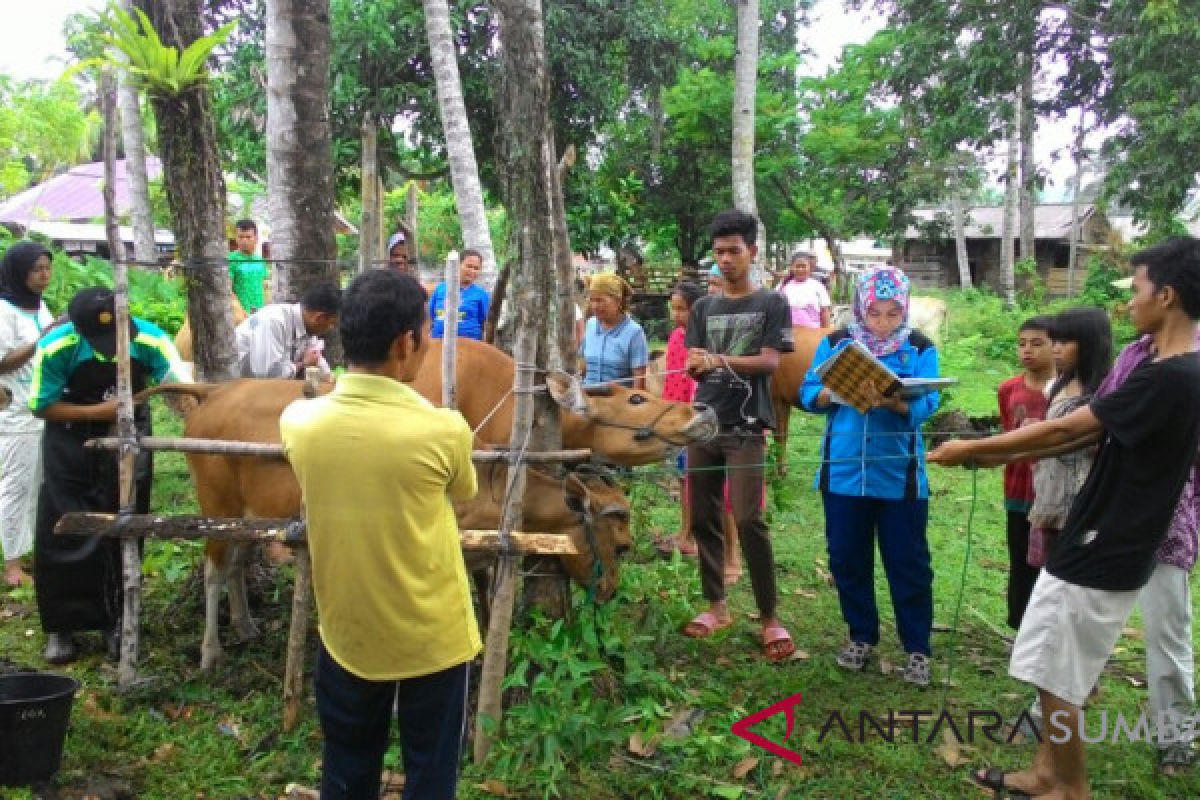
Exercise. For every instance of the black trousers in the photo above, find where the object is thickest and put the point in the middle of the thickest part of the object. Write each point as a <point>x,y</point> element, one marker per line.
<point>1021,576</point>
<point>356,718</point>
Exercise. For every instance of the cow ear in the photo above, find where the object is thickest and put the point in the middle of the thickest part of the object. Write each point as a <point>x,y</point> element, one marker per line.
<point>575,494</point>
<point>567,392</point>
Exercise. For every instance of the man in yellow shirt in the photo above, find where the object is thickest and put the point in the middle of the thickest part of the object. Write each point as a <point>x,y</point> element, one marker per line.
<point>379,466</point>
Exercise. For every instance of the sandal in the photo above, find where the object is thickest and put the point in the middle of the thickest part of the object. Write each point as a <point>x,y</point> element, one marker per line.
<point>777,643</point>
<point>668,545</point>
<point>993,778</point>
<point>705,624</point>
<point>1176,759</point>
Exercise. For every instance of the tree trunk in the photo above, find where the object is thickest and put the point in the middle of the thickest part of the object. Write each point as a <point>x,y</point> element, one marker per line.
<point>1076,187</point>
<point>368,226</point>
<point>745,84</point>
<point>299,147</point>
<point>1008,287</point>
<point>108,112</point>
<point>1028,166</point>
<point>563,311</point>
<point>135,167</point>
<point>460,150</point>
<point>412,209</point>
<point>960,232</point>
<point>526,145</point>
<point>195,187</point>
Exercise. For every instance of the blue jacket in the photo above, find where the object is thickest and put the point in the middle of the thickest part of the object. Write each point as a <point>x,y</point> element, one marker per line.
<point>852,439</point>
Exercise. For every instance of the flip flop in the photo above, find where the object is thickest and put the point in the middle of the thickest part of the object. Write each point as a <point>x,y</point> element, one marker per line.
<point>993,778</point>
<point>773,636</point>
<point>705,624</point>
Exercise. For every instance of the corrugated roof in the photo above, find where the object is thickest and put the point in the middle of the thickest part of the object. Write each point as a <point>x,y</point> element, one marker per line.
<point>73,196</point>
<point>90,232</point>
<point>1050,220</point>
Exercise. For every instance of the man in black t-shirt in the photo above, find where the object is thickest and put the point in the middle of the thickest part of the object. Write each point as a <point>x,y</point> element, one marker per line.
<point>734,341</point>
<point>1148,431</point>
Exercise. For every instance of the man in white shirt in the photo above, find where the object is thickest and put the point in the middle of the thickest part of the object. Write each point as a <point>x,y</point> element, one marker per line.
<point>282,339</point>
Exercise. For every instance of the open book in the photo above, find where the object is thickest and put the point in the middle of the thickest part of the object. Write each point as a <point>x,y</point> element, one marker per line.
<point>852,365</point>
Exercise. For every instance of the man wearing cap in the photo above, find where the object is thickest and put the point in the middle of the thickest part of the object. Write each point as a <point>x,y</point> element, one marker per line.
<point>78,578</point>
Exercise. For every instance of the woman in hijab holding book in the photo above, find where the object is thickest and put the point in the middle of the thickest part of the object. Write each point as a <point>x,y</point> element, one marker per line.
<point>872,476</point>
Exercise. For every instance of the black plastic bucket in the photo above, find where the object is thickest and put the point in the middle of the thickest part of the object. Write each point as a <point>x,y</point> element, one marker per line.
<point>35,708</point>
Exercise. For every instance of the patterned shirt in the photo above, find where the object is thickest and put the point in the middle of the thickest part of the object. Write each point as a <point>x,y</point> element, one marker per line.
<point>1179,548</point>
<point>248,273</point>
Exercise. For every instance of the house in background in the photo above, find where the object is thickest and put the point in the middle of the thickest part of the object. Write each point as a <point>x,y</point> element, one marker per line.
<point>68,210</point>
<point>929,258</point>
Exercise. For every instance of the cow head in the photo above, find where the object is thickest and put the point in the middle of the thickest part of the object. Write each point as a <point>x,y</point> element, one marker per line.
<point>603,534</point>
<point>630,426</point>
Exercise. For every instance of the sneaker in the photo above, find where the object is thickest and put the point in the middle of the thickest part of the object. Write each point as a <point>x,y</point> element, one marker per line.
<point>854,656</point>
<point>918,670</point>
<point>60,648</point>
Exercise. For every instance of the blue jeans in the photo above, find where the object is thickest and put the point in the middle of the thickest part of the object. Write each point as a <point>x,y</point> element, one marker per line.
<point>356,716</point>
<point>851,527</point>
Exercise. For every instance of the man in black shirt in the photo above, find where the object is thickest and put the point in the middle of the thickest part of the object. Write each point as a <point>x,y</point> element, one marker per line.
<point>734,341</point>
<point>1148,431</point>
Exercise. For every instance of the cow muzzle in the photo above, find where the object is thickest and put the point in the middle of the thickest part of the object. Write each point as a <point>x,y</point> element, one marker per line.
<point>704,426</point>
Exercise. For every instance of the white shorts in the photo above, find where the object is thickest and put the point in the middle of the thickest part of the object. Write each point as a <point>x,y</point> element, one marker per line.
<point>20,482</point>
<point>1067,635</point>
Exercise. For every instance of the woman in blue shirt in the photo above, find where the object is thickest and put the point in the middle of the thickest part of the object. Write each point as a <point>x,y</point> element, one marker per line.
<point>473,300</point>
<point>614,345</point>
<point>872,477</point>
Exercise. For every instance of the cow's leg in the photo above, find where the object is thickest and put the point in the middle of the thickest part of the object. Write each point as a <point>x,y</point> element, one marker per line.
<point>239,607</point>
<point>214,567</point>
<point>783,414</point>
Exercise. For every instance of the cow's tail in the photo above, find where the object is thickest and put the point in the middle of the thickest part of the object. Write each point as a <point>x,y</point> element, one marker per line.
<point>181,397</point>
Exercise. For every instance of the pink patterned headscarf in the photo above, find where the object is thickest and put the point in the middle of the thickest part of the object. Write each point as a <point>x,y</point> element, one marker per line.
<point>886,283</point>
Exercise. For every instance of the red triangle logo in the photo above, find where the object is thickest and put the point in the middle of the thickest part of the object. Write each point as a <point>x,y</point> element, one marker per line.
<point>787,708</point>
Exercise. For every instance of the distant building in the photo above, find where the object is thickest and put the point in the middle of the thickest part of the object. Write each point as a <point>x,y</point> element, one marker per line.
<point>929,258</point>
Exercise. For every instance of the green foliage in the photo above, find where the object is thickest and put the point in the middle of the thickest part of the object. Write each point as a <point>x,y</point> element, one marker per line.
<point>43,128</point>
<point>152,297</point>
<point>1031,294</point>
<point>161,68</point>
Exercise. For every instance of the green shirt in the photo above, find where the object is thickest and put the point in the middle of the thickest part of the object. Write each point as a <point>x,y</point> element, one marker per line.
<point>61,351</point>
<point>248,273</point>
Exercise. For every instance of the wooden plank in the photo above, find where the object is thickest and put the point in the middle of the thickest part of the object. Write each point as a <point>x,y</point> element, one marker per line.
<point>288,531</point>
<point>226,447</point>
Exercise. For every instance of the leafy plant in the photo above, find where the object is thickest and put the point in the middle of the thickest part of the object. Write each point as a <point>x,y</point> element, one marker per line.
<point>161,68</point>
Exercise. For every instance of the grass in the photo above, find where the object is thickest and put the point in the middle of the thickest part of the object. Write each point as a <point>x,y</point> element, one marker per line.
<point>593,699</point>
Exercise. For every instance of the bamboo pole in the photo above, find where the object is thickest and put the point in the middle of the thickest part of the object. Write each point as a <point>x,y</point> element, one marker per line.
<point>450,336</point>
<point>131,563</point>
<point>293,670</point>
<point>269,529</point>
<point>495,656</point>
<point>265,450</point>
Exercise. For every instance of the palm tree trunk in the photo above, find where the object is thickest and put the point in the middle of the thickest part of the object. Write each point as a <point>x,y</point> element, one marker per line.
<point>960,232</point>
<point>368,226</point>
<point>299,147</point>
<point>1008,287</point>
<point>460,151</point>
<point>134,139</point>
<point>1076,187</point>
<point>745,83</point>
<point>1028,166</point>
<point>108,112</point>
<point>195,187</point>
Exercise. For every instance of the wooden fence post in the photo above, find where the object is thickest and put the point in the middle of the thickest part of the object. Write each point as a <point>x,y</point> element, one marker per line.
<point>495,656</point>
<point>450,335</point>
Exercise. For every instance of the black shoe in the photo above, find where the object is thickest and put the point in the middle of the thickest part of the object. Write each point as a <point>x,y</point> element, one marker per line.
<point>60,648</point>
<point>112,644</point>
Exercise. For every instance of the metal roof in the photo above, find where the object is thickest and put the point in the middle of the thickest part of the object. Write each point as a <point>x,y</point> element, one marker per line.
<point>73,196</point>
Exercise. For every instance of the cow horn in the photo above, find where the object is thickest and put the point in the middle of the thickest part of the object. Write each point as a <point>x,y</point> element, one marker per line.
<point>567,391</point>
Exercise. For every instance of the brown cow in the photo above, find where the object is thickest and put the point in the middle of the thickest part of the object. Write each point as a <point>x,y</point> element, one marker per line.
<point>568,505</point>
<point>786,383</point>
<point>622,425</point>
